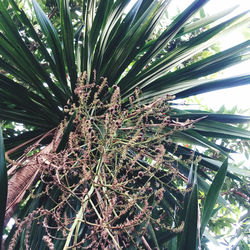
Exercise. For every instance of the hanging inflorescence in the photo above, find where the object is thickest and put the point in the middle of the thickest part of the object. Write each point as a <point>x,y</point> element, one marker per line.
<point>107,185</point>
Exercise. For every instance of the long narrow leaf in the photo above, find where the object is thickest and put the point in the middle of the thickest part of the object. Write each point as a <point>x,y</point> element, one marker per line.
<point>181,80</point>
<point>17,95</point>
<point>166,36</point>
<point>54,43</point>
<point>67,31</point>
<point>195,114</point>
<point>212,85</point>
<point>204,21</point>
<point>189,235</point>
<point>197,24</point>
<point>31,31</point>
<point>153,235</point>
<point>155,80</point>
<point>192,137</point>
<point>3,187</point>
<point>212,195</point>
<point>221,130</point>
<point>14,49</point>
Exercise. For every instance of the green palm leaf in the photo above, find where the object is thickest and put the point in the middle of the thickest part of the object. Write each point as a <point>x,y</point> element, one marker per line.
<point>189,234</point>
<point>68,37</point>
<point>212,195</point>
<point>3,187</point>
<point>54,43</point>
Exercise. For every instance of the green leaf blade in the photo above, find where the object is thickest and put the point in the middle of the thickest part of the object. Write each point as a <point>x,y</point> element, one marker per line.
<point>189,235</point>
<point>3,186</point>
<point>54,43</point>
<point>213,194</point>
<point>68,37</point>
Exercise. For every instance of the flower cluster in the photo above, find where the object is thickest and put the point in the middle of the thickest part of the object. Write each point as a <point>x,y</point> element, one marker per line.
<point>107,185</point>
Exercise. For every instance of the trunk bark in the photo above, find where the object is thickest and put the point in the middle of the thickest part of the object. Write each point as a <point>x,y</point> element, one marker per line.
<point>23,179</point>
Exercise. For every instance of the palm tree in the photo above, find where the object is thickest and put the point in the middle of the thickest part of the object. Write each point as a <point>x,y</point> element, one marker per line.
<point>101,162</point>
